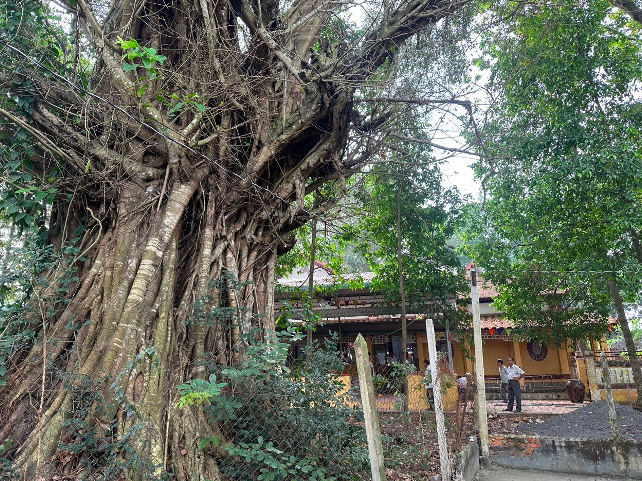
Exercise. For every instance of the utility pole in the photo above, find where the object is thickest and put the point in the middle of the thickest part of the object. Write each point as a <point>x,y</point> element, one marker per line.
<point>480,398</point>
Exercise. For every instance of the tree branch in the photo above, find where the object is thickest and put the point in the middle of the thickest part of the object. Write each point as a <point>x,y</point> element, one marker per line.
<point>43,140</point>
<point>630,8</point>
<point>433,144</point>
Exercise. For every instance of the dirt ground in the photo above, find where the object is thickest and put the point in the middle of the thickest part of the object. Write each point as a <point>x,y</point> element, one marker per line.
<point>411,450</point>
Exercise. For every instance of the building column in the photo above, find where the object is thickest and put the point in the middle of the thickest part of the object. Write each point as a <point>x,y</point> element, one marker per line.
<point>468,363</point>
<point>562,353</point>
<point>420,350</point>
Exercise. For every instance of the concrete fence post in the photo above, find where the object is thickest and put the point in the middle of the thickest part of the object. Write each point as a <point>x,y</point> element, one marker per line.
<point>480,398</point>
<point>591,375</point>
<point>439,407</point>
<point>370,413</point>
<point>606,375</point>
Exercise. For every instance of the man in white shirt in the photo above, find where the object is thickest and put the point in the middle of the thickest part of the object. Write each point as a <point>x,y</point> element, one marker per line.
<point>428,382</point>
<point>514,373</point>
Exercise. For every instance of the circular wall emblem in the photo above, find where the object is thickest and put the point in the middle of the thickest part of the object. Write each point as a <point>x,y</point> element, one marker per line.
<point>537,350</point>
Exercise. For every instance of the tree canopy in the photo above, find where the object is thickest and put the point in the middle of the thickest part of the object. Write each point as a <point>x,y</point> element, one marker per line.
<point>164,153</point>
<point>560,227</point>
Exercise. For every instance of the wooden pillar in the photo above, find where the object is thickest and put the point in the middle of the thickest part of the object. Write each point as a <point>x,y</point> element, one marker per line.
<point>480,395</point>
<point>444,459</point>
<point>370,413</point>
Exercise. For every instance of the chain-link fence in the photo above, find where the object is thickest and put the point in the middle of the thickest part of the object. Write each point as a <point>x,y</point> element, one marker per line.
<point>406,409</point>
<point>308,422</point>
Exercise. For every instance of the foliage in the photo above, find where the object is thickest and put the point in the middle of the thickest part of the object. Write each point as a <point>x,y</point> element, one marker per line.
<point>198,391</point>
<point>563,158</point>
<point>279,423</point>
<point>394,381</point>
<point>615,339</point>
<point>428,215</point>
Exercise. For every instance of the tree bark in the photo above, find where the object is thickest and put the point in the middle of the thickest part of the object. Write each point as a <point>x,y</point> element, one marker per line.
<point>195,167</point>
<point>628,339</point>
<point>402,297</point>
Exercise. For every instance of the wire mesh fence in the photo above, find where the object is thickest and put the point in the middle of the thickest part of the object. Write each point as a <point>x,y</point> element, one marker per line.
<point>407,420</point>
<point>307,421</point>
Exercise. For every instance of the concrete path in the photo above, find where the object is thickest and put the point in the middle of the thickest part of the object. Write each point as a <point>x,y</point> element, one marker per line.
<point>498,473</point>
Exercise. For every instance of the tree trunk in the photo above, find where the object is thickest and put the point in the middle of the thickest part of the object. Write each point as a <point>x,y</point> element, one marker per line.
<point>128,338</point>
<point>402,298</point>
<point>628,339</point>
<point>184,157</point>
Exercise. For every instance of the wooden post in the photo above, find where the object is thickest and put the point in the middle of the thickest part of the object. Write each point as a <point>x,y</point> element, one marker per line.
<point>606,375</point>
<point>439,407</point>
<point>480,398</point>
<point>370,413</point>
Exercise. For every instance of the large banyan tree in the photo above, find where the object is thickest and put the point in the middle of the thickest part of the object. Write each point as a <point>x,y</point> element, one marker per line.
<point>170,146</point>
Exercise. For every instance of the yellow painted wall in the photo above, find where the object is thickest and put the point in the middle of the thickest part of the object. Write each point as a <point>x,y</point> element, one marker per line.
<point>458,359</point>
<point>495,349</point>
<point>622,395</point>
<point>499,349</point>
<point>550,365</point>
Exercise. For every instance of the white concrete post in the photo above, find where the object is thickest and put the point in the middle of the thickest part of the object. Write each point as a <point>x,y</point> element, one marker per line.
<point>439,406</point>
<point>606,375</point>
<point>370,413</point>
<point>480,398</point>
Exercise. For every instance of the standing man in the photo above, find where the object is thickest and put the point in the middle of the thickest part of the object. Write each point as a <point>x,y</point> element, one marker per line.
<point>428,382</point>
<point>515,373</point>
<point>503,386</point>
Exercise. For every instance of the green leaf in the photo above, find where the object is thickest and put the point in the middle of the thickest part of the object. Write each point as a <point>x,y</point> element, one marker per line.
<point>40,195</point>
<point>175,109</point>
<point>141,91</point>
<point>127,44</point>
<point>127,67</point>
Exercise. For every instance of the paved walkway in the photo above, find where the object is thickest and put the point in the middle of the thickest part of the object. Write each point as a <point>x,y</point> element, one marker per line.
<point>497,473</point>
<point>534,407</point>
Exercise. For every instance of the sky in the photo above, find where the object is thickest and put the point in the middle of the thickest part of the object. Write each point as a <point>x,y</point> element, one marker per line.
<point>458,173</point>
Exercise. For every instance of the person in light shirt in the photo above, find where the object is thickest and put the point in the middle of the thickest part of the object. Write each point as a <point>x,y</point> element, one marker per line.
<point>428,382</point>
<point>514,373</point>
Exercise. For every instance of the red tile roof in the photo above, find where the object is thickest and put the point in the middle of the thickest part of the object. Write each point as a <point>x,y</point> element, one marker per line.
<point>494,322</point>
